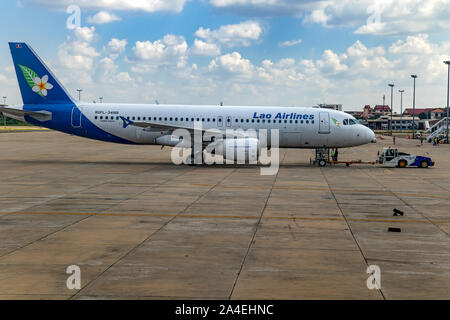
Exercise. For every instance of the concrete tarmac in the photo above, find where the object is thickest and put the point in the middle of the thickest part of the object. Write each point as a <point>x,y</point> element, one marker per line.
<point>140,227</point>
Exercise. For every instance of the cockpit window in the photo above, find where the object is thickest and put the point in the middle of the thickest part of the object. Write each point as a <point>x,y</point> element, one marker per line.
<point>345,122</point>
<point>352,122</point>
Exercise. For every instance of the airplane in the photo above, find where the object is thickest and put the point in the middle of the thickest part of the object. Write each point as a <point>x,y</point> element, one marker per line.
<point>47,103</point>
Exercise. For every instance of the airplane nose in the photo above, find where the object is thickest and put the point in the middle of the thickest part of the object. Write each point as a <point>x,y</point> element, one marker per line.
<point>371,136</point>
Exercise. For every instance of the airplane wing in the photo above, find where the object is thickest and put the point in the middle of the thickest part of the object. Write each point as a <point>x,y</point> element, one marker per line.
<point>38,115</point>
<point>160,126</point>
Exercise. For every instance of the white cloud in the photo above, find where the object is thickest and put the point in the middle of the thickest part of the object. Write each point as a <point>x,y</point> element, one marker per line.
<point>103,17</point>
<point>202,48</point>
<point>380,17</point>
<point>125,5</point>
<point>233,63</point>
<point>233,34</point>
<point>85,34</point>
<point>170,50</point>
<point>290,43</point>
<point>115,47</point>
<point>331,63</point>
<point>77,52</point>
<point>413,45</point>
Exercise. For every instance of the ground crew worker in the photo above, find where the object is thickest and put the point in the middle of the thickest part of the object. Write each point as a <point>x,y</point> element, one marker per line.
<point>334,154</point>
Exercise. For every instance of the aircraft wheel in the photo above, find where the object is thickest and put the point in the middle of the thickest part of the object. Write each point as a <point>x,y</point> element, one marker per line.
<point>322,163</point>
<point>402,164</point>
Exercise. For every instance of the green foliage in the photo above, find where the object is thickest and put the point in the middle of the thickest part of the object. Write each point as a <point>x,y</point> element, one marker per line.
<point>29,77</point>
<point>12,122</point>
<point>423,116</point>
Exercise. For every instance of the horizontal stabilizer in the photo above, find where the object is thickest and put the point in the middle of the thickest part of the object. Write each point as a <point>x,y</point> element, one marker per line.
<point>38,115</point>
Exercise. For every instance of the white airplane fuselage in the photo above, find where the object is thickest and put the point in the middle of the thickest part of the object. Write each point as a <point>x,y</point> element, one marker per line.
<point>46,103</point>
<point>298,127</point>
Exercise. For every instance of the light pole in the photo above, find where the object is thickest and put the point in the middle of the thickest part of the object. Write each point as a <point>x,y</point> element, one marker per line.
<point>79,94</point>
<point>101,99</point>
<point>4,117</point>
<point>392,102</point>
<point>401,107</point>
<point>414,76</point>
<point>448,89</point>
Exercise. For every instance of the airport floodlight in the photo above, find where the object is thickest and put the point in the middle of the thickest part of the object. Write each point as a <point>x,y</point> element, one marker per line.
<point>79,94</point>
<point>101,99</point>
<point>414,76</point>
<point>401,108</point>
<point>392,103</point>
<point>448,89</point>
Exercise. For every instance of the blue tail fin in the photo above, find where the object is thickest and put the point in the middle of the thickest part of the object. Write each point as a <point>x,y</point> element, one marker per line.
<point>37,83</point>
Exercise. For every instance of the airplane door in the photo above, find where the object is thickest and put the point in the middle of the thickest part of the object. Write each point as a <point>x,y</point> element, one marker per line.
<point>76,118</point>
<point>228,121</point>
<point>324,122</point>
<point>220,121</point>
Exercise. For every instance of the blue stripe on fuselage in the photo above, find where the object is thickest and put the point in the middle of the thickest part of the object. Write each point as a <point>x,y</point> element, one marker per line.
<point>62,121</point>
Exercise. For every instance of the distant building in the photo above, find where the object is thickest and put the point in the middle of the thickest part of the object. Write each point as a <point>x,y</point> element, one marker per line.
<point>398,123</point>
<point>367,111</point>
<point>381,110</point>
<point>430,113</point>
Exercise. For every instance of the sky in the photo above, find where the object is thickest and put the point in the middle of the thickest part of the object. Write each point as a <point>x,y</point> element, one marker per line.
<point>240,52</point>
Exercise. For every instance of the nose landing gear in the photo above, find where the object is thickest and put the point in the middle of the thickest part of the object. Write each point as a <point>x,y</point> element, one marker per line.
<point>322,157</point>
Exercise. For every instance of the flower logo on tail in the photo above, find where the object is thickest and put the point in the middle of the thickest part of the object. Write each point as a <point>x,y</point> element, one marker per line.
<point>38,85</point>
<point>41,85</point>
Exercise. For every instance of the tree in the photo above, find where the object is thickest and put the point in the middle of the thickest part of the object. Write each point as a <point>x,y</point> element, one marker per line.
<point>423,116</point>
